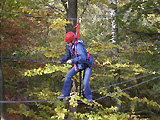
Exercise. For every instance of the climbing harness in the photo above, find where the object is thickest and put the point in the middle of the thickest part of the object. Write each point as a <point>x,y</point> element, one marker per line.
<point>80,71</point>
<point>78,30</point>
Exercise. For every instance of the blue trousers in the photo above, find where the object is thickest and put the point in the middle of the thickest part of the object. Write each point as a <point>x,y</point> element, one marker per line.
<point>67,82</point>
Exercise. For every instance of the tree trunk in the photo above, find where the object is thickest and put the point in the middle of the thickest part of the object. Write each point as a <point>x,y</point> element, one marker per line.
<point>72,13</point>
<point>118,104</point>
<point>71,9</point>
<point>114,37</point>
<point>113,20</point>
<point>2,98</point>
<point>2,105</point>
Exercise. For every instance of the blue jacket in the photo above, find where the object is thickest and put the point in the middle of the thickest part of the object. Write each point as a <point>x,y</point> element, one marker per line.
<point>81,60</point>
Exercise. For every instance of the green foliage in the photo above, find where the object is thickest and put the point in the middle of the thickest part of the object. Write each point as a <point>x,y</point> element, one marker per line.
<point>59,23</point>
<point>41,38</point>
<point>48,69</point>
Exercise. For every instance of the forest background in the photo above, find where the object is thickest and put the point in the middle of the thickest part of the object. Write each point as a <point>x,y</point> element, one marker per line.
<point>123,38</point>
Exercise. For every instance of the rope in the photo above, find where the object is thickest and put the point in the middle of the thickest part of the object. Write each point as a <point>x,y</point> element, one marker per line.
<point>36,101</point>
<point>117,49</point>
<point>3,58</point>
<point>56,101</point>
<point>39,16</point>
<point>124,82</point>
<point>138,11</point>
<point>125,89</point>
<point>78,28</point>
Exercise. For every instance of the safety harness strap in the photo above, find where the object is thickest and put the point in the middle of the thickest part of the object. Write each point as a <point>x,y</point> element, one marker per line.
<point>78,29</point>
<point>88,54</point>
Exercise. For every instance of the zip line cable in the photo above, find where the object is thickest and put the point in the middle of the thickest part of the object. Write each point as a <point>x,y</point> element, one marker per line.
<point>43,101</point>
<point>124,82</point>
<point>118,48</point>
<point>36,101</point>
<point>100,53</point>
<point>26,60</point>
<point>3,58</point>
<point>55,100</point>
<point>138,11</point>
<point>142,45</point>
<point>145,40</point>
<point>126,88</point>
<point>113,50</point>
<point>33,101</point>
<point>40,16</point>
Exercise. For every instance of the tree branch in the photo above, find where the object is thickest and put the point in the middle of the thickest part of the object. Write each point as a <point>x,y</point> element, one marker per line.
<point>64,2</point>
<point>84,8</point>
<point>55,8</point>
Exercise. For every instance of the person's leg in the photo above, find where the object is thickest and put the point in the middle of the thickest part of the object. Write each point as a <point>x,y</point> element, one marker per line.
<point>67,82</point>
<point>87,89</point>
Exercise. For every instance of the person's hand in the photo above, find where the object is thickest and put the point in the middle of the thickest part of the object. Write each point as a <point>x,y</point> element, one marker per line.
<point>69,62</point>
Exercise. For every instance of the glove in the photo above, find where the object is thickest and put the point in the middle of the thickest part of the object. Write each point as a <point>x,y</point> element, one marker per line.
<point>69,62</point>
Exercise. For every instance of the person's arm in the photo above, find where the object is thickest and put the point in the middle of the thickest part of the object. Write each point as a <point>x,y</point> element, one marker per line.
<point>66,57</point>
<point>81,51</point>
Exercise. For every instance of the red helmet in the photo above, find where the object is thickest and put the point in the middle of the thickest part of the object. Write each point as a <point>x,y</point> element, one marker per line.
<point>69,36</point>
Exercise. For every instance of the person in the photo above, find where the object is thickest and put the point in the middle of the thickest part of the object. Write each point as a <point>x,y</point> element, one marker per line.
<point>82,60</point>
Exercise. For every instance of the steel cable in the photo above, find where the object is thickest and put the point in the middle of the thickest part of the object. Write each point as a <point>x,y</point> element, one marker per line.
<point>124,82</point>
<point>125,89</point>
<point>40,16</point>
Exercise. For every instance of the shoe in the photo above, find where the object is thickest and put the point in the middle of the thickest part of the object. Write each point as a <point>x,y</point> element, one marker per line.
<point>63,97</point>
<point>90,101</point>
